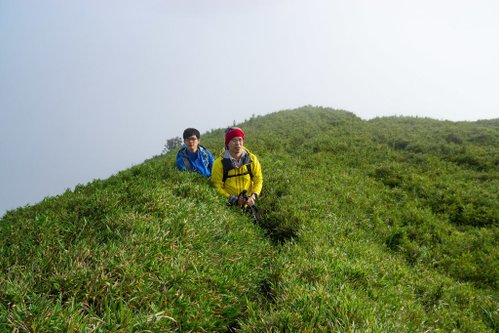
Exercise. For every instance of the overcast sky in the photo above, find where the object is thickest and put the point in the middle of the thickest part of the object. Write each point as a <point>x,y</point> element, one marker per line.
<point>92,87</point>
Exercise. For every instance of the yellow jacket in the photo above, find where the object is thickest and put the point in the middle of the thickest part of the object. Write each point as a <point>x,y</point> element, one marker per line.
<point>238,178</point>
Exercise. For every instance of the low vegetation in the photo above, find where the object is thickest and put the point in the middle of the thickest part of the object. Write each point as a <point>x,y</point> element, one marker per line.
<point>387,225</point>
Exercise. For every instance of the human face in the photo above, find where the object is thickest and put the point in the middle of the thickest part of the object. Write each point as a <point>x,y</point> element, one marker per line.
<point>236,146</point>
<point>192,143</point>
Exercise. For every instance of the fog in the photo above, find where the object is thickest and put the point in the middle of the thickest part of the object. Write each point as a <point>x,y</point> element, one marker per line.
<point>89,88</point>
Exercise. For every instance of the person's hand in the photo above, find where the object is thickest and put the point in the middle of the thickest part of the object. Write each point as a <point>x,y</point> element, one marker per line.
<point>241,200</point>
<point>251,200</point>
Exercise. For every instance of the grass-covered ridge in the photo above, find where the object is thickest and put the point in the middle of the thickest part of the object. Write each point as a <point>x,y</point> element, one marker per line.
<point>387,225</point>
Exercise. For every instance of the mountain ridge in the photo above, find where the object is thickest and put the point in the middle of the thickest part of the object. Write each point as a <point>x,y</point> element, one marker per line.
<point>388,224</point>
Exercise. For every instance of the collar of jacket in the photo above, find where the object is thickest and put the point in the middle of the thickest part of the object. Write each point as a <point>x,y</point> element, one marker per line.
<point>184,151</point>
<point>245,158</point>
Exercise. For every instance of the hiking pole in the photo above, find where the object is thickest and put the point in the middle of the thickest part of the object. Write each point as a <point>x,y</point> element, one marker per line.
<point>253,209</point>
<point>256,214</point>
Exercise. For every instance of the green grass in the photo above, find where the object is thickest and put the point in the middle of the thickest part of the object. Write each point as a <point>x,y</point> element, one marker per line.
<point>388,225</point>
<point>147,249</point>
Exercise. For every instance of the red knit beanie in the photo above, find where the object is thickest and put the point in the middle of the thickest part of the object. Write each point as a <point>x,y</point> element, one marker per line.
<point>232,133</point>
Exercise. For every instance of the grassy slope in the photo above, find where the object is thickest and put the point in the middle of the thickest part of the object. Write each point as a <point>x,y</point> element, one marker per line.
<point>388,225</point>
<point>391,239</point>
<point>148,249</point>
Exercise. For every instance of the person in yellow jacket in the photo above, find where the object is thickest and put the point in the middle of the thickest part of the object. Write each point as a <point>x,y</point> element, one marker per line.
<point>237,170</point>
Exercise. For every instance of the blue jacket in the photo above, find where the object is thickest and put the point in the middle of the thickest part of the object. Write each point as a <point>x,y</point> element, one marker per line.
<point>201,161</point>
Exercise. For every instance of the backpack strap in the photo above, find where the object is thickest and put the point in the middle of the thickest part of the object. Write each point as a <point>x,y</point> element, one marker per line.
<point>204,154</point>
<point>187,163</point>
<point>248,166</point>
<point>227,165</point>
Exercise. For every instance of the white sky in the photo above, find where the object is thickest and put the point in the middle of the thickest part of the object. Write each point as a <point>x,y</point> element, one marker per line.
<point>92,87</point>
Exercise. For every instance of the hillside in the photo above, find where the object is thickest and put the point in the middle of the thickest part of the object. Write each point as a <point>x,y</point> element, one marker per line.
<point>387,225</point>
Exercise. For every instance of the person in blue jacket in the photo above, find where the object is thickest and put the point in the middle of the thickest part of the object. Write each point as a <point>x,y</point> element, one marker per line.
<point>192,156</point>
